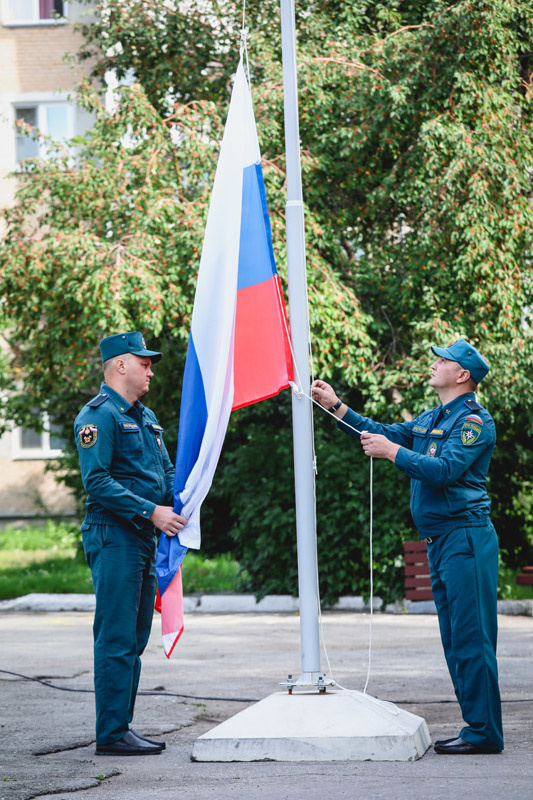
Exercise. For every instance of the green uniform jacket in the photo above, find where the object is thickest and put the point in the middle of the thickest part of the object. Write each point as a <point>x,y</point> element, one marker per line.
<point>125,466</point>
<point>446,452</point>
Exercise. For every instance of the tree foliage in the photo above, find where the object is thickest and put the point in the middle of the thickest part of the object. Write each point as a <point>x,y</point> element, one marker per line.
<point>417,162</point>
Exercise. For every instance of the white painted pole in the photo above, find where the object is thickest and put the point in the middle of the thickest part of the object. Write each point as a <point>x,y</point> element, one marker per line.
<point>304,475</point>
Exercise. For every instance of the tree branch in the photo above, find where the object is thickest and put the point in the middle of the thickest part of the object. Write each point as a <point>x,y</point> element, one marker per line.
<point>353,64</point>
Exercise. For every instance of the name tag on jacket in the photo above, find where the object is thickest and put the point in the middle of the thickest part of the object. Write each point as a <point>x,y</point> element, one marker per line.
<point>129,427</point>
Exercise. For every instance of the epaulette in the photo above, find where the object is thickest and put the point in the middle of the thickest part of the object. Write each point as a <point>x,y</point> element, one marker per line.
<point>98,400</point>
<point>472,405</point>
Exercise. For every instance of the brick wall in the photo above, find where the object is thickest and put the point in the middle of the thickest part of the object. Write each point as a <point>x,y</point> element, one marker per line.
<point>31,58</point>
<point>31,63</point>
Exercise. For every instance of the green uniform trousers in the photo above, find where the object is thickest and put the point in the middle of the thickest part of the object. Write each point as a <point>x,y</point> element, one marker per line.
<point>122,563</point>
<point>464,576</point>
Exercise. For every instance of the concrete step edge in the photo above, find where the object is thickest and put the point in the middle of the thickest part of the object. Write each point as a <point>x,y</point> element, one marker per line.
<point>233,603</point>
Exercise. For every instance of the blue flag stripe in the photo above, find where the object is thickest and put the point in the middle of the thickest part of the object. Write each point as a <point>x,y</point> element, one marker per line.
<point>170,554</point>
<point>193,419</point>
<point>256,256</point>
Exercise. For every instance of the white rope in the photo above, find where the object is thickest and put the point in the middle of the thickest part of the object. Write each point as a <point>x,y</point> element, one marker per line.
<point>371,576</point>
<point>371,537</point>
<point>299,392</point>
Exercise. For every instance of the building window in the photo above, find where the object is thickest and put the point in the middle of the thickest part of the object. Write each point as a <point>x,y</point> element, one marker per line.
<point>33,12</point>
<point>52,119</point>
<point>31,444</point>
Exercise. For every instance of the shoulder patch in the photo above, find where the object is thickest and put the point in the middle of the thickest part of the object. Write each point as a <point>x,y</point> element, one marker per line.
<point>470,432</point>
<point>88,435</point>
<point>156,427</point>
<point>98,400</point>
<point>472,405</point>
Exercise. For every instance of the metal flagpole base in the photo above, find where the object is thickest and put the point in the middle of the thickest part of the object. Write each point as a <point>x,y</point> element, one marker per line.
<point>307,680</point>
<point>337,725</point>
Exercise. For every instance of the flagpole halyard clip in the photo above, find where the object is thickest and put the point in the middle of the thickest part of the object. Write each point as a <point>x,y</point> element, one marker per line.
<point>297,391</point>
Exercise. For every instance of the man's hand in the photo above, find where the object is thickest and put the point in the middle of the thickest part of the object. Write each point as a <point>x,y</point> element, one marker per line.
<point>167,521</point>
<point>323,393</point>
<point>378,446</point>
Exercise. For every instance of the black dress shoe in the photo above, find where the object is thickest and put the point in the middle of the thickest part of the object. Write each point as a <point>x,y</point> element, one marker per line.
<point>162,745</point>
<point>129,745</point>
<point>445,741</point>
<point>460,747</point>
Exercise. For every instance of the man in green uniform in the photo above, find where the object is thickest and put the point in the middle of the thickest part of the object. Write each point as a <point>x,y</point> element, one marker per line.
<point>446,452</point>
<point>128,477</point>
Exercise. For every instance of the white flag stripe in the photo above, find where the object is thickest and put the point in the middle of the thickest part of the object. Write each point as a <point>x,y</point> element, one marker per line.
<point>213,318</point>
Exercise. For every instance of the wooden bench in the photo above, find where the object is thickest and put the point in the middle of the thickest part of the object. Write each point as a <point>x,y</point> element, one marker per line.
<point>525,578</point>
<point>417,580</point>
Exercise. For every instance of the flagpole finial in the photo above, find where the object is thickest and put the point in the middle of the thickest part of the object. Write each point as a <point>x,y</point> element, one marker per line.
<point>243,49</point>
<point>244,39</point>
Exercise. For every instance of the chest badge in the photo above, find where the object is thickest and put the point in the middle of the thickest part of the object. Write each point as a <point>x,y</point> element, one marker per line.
<point>88,435</point>
<point>158,430</point>
<point>432,450</point>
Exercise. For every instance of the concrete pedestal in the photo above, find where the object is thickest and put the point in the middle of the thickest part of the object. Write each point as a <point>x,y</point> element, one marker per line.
<point>306,726</point>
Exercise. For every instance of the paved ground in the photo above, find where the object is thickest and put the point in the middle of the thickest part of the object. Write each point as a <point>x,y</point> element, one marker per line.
<point>47,740</point>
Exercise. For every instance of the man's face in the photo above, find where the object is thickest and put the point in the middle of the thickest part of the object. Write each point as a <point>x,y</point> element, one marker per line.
<point>138,374</point>
<point>444,373</point>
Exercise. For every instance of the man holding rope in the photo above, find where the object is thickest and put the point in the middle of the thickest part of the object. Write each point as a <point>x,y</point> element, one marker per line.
<point>446,452</point>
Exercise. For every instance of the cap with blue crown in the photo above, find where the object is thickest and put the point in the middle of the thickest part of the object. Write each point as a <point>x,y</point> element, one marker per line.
<point>467,356</point>
<point>130,342</point>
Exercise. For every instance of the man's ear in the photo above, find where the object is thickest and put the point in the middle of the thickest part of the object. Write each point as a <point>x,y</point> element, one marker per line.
<point>464,376</point>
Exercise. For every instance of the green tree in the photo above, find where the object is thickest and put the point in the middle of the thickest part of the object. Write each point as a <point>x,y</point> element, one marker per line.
<point>417,162</point>
<point>416,154</point>
<point>106,235</point>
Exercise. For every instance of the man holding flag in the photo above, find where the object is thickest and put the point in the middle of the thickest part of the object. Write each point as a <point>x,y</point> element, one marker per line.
<point>128,476</point>
<point>239,351</point>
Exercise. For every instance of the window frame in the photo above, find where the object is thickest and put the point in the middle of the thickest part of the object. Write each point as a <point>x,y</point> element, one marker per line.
<point>41,107</point>
<point>35,21</point>
<point>43,453</point>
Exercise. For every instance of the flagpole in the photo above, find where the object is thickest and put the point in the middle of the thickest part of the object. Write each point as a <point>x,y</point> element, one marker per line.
<point>277,728</point>
<point>304,470</point>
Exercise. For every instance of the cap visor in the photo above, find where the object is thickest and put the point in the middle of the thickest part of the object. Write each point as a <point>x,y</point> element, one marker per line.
<point>150,354</point>
<point>440,351</point>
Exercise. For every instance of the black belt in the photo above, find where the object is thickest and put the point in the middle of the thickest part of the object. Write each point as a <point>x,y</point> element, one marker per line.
<point>431,539</point>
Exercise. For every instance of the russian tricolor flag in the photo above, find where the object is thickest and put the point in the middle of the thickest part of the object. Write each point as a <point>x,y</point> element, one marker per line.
<point>239,350</point>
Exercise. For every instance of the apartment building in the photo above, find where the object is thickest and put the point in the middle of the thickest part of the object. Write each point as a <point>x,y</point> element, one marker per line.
<point>36,85</point>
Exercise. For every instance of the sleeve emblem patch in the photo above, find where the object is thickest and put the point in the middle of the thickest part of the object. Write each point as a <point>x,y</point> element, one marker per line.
<point>88,436</point>
<point>432,450</point>
<point>470,432</point>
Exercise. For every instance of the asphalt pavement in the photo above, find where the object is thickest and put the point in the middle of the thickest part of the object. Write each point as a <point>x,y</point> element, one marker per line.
<point>223,663</point>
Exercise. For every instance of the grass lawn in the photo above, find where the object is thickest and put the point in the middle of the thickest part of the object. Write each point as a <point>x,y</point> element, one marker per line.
<point>507,587</point>
<point>46,559</point>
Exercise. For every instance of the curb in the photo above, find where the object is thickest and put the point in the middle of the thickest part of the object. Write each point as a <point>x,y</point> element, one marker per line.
<point>229,603</point>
